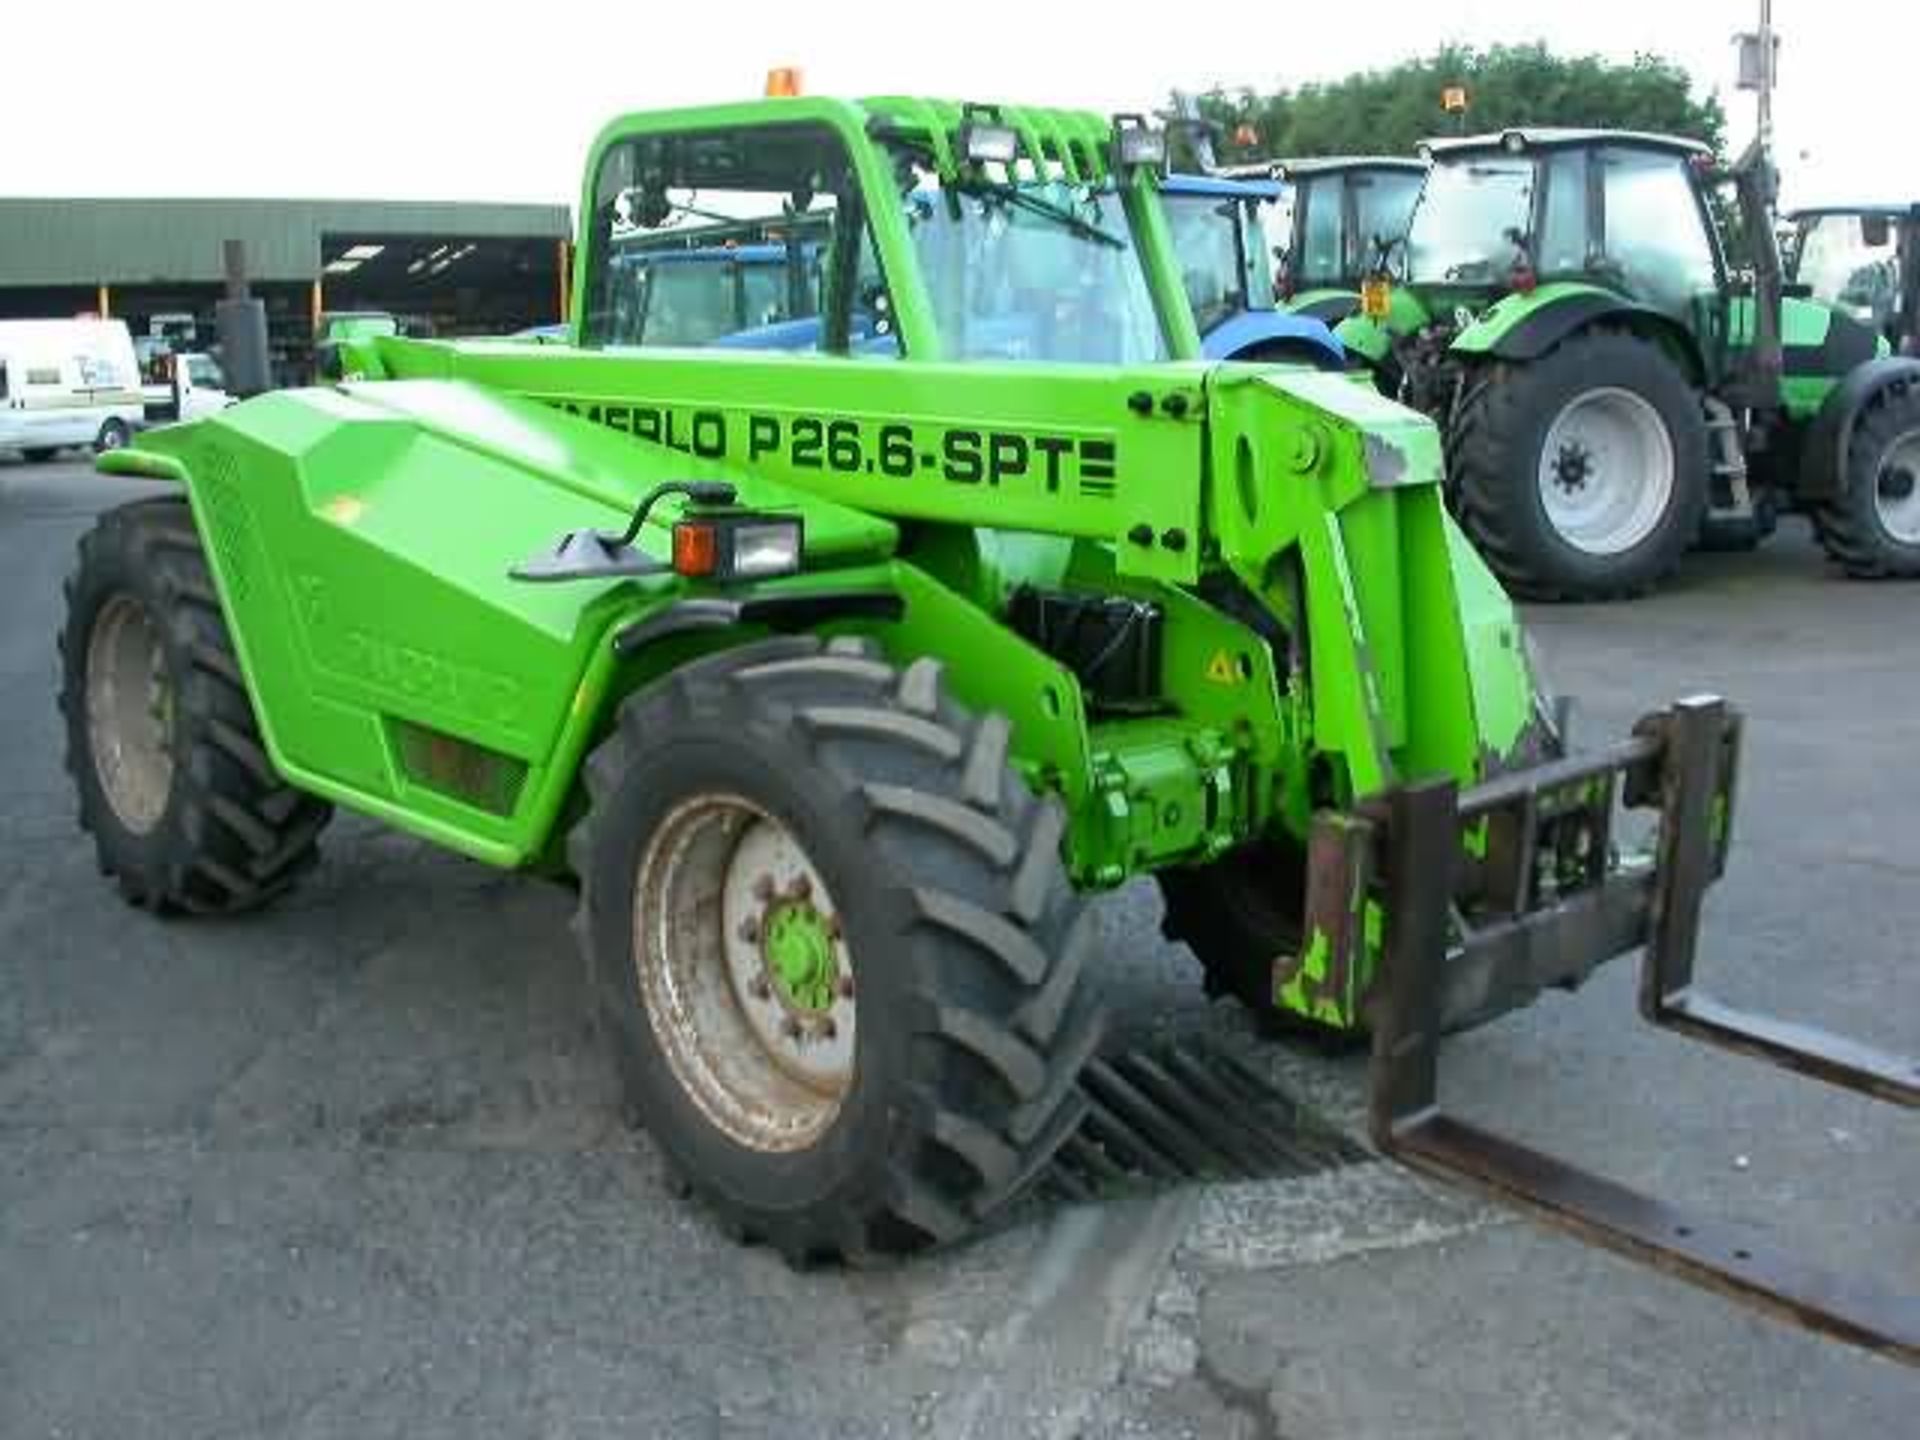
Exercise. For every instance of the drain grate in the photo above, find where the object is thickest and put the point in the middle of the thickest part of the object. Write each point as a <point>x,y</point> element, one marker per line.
<point>1185,1111</point>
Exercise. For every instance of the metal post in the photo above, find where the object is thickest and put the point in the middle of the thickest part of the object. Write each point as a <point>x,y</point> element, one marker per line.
<point>1766,77</point>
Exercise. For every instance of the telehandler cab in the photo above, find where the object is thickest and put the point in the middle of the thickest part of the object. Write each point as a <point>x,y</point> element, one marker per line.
<point>839,677</point>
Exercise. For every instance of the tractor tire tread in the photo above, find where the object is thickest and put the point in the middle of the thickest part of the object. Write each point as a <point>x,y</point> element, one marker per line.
<point>234,834</point>
<point>992,940</point>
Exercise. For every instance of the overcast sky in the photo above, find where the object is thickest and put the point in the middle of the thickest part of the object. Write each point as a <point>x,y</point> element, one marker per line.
<point>427,100</point>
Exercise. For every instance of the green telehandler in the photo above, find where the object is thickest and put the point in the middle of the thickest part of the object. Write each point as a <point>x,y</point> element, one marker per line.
<point>1614,388</point>
<point>840,666</point>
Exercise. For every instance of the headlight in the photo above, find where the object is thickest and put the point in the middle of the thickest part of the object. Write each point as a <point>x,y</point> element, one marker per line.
<point>1135,143</point>
<point>736,547</point>
<point>983,142</point>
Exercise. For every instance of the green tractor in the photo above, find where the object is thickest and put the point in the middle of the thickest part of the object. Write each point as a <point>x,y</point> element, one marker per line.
<point>838,676</point>
<point>1616,389</point>
<point>1865,260</point>
<point>1348,211</point>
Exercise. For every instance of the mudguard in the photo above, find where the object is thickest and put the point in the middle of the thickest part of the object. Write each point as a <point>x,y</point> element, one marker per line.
<point>361,539</point>
<point>1524,326</point>
<point>1251,330</point>
<point>1330,306</point>
<point>1824,457</point>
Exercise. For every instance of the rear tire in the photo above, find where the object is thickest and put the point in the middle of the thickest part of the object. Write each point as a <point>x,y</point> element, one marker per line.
<point>924,1069</point>
<point>1611,510</point>
<point>39,456</point>
<point>185,808</point>
<point>1873,529</point>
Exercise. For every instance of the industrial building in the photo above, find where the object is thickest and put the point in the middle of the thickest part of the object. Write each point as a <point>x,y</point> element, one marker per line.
<point>446,268</point>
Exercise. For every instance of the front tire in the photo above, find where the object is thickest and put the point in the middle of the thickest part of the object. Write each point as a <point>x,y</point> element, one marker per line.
<point>1873,529</point>
<point>185,808</point>
<point>114,435</point>
<point>833,943</point>
<point>1581,475</point>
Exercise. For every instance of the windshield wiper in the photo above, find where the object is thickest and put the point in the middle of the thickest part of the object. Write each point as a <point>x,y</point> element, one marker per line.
<point>1034,205</point>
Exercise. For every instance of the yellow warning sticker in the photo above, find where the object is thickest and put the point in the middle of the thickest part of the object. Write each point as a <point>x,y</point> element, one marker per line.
<point>1221,669</point>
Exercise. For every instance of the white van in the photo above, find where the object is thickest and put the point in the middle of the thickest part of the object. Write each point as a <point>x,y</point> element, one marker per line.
<point>67,382</point>
<point>183,385</point>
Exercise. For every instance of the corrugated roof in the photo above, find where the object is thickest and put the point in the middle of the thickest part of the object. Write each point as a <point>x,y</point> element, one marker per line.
<point>123,242</point>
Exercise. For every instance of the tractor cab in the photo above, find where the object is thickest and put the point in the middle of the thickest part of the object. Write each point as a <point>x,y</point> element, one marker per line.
<point>1346,211</point>
<point>1862,260</point>
<point>1020,238</point>
<point>1219,228</point>
<point>1508,213</point>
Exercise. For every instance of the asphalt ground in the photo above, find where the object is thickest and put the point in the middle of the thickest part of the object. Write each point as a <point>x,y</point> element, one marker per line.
<point>353,1166</point>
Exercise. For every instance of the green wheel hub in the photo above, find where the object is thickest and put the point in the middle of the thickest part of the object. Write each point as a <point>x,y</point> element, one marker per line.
<point>800,956</point>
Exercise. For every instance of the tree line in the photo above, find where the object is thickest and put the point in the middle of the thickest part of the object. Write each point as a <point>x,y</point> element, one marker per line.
<point>1390,111</point>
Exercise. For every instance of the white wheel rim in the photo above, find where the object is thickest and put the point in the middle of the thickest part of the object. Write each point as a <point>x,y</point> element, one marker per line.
<point>1606,471</point>
<point>1896,489</point>
<point>718,878</point>
<point>130,713</point>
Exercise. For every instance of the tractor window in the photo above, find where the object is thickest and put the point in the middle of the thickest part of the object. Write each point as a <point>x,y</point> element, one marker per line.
<point>1207,240</point>
<point>1845,269</point>
<point>1322,259</point>
<point>1656,238</point>
<point>1381,205</point>
<point>1464,226</point>
<point>1561,247</point>
<point>732,239</point>
<point>1029,268</point>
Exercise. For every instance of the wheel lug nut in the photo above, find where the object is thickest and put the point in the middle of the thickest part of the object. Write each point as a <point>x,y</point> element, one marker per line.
<point>845,988</point>
<point>759,988</point>
<point>750,931</point>
<point>763,888</point>
<point>834,931</point>
<point>801,887</point>
<point>828,1030</point>
<point>792,1029</point>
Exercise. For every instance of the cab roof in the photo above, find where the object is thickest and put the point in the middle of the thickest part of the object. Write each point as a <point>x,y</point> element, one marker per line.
<point>1226,187</point>
<point>1547,137</point>
<point>1330,164</point>
<point>1885,211</point>
<point>1077,139</point>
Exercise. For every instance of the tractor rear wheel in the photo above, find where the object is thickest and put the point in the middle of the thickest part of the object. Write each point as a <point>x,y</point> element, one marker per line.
<point>185,808</point>
<point>1873,528</point>
<point>1581,475</point>
<point>830,935</point>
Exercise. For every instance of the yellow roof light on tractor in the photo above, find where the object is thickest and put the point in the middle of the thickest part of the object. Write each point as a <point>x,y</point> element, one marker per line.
<point>783,82</point>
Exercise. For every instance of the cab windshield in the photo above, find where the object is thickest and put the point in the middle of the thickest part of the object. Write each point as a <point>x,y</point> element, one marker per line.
<point>1846,269</point>
<point>1214,238</point>
<point>1027,268</point>
<point>1463,226</point>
